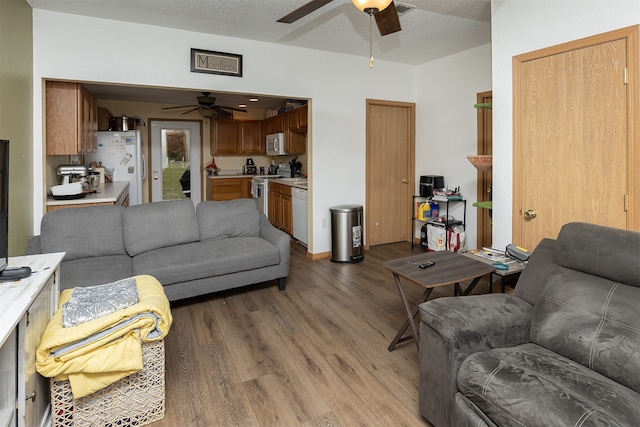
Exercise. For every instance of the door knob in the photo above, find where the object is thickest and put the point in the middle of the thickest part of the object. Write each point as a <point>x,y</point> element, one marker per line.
<point>530,214</point>
<point>404,181</point>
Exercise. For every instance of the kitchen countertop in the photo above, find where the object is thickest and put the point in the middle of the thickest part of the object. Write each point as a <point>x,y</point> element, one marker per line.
<point>107,193</point>
<point>293,182</point>
<point>236,175</point>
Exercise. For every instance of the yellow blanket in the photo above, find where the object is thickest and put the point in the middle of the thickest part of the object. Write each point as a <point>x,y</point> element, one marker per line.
<point>100,352</point>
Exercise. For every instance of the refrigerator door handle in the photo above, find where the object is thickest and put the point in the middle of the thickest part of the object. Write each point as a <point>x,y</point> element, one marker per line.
<point>144,166</point>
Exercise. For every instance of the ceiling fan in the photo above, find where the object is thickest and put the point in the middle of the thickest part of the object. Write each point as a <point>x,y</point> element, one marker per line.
<point>208,108</point>
<point>384,11</point>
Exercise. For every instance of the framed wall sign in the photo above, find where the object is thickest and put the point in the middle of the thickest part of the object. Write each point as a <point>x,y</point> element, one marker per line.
<point>207,61</point>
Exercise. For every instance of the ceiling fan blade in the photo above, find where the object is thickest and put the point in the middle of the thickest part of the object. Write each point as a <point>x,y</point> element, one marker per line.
<point>388,20</point>
<point>222,113</point>
<point>231,108</point>
<point>303,10</point>
<point>191,110</point>
<point>180,106</point>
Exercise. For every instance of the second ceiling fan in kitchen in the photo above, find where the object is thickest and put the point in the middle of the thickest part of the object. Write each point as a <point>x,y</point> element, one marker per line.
<point>208,108</point>
<point>384,12</point>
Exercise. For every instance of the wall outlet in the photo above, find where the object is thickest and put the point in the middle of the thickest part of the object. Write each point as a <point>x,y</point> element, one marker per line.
<point>325,223</point>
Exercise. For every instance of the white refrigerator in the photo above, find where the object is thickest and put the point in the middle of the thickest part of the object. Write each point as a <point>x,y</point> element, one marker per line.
<point>121,153</point>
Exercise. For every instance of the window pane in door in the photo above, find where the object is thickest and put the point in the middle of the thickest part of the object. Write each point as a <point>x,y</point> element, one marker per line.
<point>175,164</point>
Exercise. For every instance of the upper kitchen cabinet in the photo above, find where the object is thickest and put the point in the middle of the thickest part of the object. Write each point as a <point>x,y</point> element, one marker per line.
<point>273,124</point>
<point>71,119</point>
<point>298,119</point>
<point>236,137</point>
<point>296,130</point>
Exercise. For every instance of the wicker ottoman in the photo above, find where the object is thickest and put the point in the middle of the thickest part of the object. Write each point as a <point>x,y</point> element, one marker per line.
<point>135,400</point>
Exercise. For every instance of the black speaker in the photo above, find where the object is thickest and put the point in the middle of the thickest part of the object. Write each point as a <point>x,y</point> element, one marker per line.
<point>428,183</point>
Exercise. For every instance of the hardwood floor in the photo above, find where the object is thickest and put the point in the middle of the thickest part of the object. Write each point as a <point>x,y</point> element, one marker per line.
<point>313,355</point>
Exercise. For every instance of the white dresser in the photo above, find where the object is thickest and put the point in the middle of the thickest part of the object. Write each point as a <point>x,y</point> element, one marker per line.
<point>25,309</point>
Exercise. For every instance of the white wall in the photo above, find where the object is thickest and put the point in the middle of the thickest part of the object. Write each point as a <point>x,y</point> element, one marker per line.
<point>446,124</point>
<point>523,26</point>
<point>88,49</point>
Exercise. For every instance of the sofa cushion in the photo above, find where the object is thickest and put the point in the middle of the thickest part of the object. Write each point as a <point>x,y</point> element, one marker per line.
<point>206,258</point>
<point>592,321</point>
<point>83,232</point>
<point>156,225</point>
<point>233,218</point>
<point>528,385</point>
<point>94,270</point>
<point>606,252</point>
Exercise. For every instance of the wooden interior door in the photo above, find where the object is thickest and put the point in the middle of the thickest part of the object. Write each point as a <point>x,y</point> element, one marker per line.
<point>390,171</point>
<point>572,148</point>
<point>485,146</point>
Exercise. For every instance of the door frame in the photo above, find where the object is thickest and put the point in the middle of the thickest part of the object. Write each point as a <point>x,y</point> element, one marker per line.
<point>411,162</point>
<point>485,178</point>
<point>632,199</point>
<point>196,178</point>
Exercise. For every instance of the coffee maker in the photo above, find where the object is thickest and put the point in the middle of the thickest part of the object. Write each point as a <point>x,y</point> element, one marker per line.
<point>250,167</point>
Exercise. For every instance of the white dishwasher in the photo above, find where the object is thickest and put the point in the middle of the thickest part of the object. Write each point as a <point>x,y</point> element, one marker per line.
<point>300,214</point>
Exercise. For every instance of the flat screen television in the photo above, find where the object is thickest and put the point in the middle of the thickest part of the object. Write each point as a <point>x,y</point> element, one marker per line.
<point>4,204</point>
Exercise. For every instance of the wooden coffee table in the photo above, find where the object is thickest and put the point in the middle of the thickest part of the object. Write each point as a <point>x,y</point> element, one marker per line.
<point>449,269</point>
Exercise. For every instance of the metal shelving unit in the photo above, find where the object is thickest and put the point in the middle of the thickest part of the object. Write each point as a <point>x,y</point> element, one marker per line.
<point>446,224</point>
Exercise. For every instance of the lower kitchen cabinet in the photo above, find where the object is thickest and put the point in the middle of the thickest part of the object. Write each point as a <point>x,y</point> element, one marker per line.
<point>25,309</point>
<point>228,188</point>
<point>280,205</point>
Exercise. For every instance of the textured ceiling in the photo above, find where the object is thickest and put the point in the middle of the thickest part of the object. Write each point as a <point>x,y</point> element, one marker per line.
<point>432,29</point>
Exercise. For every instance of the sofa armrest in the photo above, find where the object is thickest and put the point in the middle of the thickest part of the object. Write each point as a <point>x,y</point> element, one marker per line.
<point>278,238</point>
<point>34,246</point>
<point>453,328</point>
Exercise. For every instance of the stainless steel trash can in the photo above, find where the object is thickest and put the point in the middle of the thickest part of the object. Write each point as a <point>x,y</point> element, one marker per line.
<point>346,233</point>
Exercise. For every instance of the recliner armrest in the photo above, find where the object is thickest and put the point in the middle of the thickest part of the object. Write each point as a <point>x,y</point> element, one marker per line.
<point>453,328</point>
<point>479,322</point>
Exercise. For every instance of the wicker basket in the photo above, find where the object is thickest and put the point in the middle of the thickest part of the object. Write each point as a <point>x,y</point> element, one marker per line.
<point>135,400</point>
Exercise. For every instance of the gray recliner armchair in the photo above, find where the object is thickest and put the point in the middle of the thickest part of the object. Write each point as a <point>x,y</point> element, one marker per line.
<point>563,351</point>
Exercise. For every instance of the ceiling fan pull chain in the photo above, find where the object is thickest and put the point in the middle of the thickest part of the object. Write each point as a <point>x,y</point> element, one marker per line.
<point>370,40</point>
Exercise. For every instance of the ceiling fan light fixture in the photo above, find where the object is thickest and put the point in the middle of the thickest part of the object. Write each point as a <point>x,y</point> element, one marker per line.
<point>371,6</point>
<point>207,113</point>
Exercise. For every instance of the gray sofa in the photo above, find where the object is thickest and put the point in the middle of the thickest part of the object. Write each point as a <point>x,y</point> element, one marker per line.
<point>216,246</point>
<point>563,351</point>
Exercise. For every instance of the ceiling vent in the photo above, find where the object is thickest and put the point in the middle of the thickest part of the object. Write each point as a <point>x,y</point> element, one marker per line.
<point>403,8</point>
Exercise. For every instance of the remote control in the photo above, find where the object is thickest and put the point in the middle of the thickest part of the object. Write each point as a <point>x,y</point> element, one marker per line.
<point>427,264</point>
<point>14,273</point>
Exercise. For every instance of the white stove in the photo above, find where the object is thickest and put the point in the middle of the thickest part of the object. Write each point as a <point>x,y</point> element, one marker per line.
<point>260,191</point>
<point>260,187</point>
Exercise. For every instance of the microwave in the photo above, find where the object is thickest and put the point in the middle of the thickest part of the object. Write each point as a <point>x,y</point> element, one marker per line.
<point>275,144</point>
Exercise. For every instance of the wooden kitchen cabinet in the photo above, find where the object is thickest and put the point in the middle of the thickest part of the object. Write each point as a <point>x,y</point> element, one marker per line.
<point>273,124</point>
<point>294,125</point>
<point>280,205</point>
<point>71,119</point>
<point>228,188</point>
<point>104,119</point>
<point>236,137</point>
<point>250,140</point>
<point>298,119</point>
